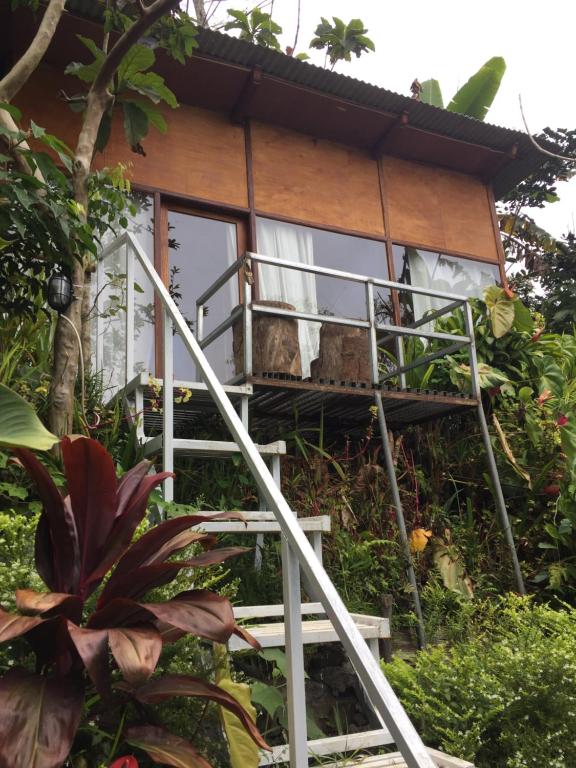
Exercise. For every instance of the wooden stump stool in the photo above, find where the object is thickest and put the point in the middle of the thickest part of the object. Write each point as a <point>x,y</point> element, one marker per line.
<point>275,346</point>
<point>343,356</point>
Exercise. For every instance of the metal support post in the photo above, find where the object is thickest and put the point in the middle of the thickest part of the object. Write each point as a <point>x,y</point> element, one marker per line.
<point>373,345</point>
<point>405,544</point>
<point>129,372</point>
<point>296,703</point>
<point>492,468</point>
<point>247,321</point>
<point>168,407</point>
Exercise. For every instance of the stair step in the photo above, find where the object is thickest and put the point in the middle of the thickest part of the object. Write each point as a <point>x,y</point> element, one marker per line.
<point>314,631</point>
<point>210,448</point>
<point>331,745</point>
<point>395,760</point>
<point>262,522</point>
<point>197,388</point>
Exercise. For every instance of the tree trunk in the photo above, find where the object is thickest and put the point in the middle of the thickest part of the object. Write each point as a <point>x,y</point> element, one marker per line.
<point>66,350</point>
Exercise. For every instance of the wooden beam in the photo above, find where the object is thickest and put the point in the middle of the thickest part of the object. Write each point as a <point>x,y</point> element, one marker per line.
<point>380,147</point>
<point>500,162</point>
<point>241,110</point>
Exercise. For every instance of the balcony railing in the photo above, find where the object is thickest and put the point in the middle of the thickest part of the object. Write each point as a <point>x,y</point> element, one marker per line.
<point>378,333</point>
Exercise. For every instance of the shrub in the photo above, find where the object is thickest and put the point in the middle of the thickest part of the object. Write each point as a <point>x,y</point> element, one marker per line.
<point>504,696</point>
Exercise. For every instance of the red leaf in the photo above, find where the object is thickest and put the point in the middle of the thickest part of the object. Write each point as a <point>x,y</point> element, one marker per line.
<point>129,484</point>
<point>148,548</point>
<point>164,747</point>
<point>92,648</point>
<point>137,583</point>
<point>38,719</point>
<point>119,612</point>
<point>136,650</point>
<point>12,625</point>
<point>246,636</point>
<point>122,532</point>
<point>91,479</point>
<point>166,687</point>
<point>48,604</point>
<point>129,761</point>
<point>62,547</point>
<point>200,612</point>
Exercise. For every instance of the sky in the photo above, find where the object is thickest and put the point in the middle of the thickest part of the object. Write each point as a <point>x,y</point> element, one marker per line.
<point>449,41</point>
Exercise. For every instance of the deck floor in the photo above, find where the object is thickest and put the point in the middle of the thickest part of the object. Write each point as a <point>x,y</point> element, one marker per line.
<point>278,400</point>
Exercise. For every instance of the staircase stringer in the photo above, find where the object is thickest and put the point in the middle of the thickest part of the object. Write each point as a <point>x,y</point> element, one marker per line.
<point>378,690</point>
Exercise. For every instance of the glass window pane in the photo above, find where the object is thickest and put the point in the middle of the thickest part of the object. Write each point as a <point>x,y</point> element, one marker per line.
<point>199,251</point>
<point>448,274</point>
<point>319,294</point>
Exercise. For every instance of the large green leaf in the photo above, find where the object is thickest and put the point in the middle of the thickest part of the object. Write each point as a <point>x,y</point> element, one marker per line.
<point>522,318</point>
<point>476,96</point>
<point>19,425</point>
<point>501,310</point>
<point>138,59</point>
<point>432,93</point>
<point>135,123</point>
<point>242,750</point>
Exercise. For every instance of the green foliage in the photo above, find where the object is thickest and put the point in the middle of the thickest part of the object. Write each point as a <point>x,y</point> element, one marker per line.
<point>19,424</point>
<point>502,696</point>
<point>475,97</point>
<point>256,27</point>
<point>341,40</point>
<point>431,93</point>
<point>133,79</point>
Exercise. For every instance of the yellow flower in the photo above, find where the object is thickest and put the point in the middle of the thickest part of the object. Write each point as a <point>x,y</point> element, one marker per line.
<point>419,539</point>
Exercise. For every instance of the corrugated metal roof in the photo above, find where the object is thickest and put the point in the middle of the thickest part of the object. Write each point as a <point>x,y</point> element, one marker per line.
<point>220,46</point>
<point>424,116</point>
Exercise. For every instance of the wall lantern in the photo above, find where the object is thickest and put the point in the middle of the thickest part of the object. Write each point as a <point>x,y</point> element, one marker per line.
<point>60,292</point>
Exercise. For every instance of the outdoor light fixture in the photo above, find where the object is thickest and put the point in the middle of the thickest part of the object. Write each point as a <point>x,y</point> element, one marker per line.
<point>60,292</point>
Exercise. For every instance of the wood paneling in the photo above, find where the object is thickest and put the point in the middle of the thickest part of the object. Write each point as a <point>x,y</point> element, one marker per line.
<point>315,181</point>
<point>440,209</point>
<point>202,154</point>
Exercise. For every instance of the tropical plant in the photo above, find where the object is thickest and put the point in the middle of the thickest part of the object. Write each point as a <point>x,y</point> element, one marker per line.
<point>256,27</point>
<point>341,40</point>
<point>475,97</point>
<point>502,696</point>
<point>83,544</point>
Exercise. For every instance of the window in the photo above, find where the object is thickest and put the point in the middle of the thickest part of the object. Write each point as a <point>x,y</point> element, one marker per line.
<point>441,272</point>
<point>319,294</point>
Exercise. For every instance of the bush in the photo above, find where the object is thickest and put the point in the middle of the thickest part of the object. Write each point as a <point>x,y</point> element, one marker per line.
<point>504,697</point>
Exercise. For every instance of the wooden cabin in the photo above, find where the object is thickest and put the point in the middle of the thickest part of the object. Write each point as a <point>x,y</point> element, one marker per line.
<point>274,156</point>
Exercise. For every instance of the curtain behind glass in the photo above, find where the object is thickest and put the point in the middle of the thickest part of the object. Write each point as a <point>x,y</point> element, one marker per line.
<point>285,241</point>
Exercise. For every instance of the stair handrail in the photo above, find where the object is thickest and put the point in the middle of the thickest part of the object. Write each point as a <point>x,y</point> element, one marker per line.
<point>373,680</point>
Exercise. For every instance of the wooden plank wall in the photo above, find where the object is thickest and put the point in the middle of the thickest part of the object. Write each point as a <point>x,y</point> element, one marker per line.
<point>294,176</point>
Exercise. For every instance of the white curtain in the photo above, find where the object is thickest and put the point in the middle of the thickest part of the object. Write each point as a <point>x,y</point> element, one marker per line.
<point>284,241</point>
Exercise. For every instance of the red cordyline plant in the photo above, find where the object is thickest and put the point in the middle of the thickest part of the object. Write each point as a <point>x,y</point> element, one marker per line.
<point>81,540</point>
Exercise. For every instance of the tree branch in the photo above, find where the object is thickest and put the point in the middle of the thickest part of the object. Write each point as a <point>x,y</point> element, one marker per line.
<point>13,81</point>
<point>149,16</point>
<point>533,140</point>
<point>7,121</point>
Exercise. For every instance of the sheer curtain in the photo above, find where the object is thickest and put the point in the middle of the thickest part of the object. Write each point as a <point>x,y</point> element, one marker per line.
<point>284,241</point>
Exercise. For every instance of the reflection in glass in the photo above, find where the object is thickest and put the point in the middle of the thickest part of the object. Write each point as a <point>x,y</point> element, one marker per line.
<point>109,302</point>
<point>319,294</point>
<point>439,272</point>
<point>200,250</point>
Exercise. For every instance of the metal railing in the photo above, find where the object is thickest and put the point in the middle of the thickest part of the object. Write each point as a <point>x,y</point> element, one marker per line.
<point>375,329</point>
<point>298,552</point>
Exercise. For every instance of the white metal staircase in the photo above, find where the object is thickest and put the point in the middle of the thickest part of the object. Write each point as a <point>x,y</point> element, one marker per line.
<point>288,625</point>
